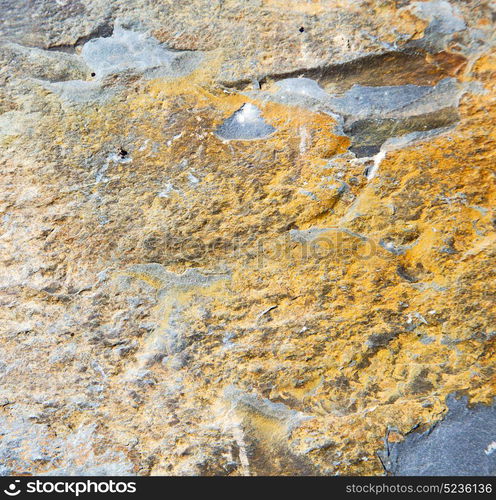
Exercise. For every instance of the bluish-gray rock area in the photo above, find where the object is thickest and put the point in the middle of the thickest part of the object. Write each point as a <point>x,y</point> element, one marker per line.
<point>245,124</point>
<point>463,444</point>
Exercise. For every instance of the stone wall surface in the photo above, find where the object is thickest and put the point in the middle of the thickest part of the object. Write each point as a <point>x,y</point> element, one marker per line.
<point>247,237</point>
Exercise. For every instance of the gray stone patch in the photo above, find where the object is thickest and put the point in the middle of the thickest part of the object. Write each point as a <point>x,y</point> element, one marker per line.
<point>402,100</point>
<point>372,115</point>
<point>127,50</point>
<point>442,16</point>
<point>369,102</point>
<point>302,87</point>
<point>463,444</point>
<point>253,403</point>
<point>167,340</point>
<point>18,123</point>
<point>24,444</point>
<point>64,354</point>
<point>306,235</point>
<point>43,64</point>
<point>444,21</point>
<point>245,124</point>
<point>361,101</point>
<point>79,91</point>
<point>310,235</point>
<point>191,277</point>
<point>392,248</point>
<point>413,138</point>
<point>426,340</point>
<point>124,52</point>
<point>476,87</point>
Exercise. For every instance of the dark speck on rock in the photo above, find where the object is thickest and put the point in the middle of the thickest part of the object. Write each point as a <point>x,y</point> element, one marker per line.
<point>403,273</point>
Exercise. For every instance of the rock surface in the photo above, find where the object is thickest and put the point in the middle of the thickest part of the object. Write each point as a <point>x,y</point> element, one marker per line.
<point>460,445</point>
<point>246,237</point>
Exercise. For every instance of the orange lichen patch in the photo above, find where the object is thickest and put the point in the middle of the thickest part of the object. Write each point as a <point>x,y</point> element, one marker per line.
<point>314,131</point>
<point>484,70</point>
<point>484,64</point>
<point>411,372</point>
<point>366,324</point>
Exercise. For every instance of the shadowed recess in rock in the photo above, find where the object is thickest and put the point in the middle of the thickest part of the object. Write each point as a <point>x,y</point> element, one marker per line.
<point>374,114</point>
<point>390,68</point>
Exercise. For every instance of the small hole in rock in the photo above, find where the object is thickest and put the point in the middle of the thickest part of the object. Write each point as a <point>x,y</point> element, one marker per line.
<point>302,29</point>
<point>93,74</point>
<point>123,153</point>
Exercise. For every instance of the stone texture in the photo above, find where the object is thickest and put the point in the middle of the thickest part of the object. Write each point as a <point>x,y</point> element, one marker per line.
<point>274,299</point>
<point>462,444</point>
